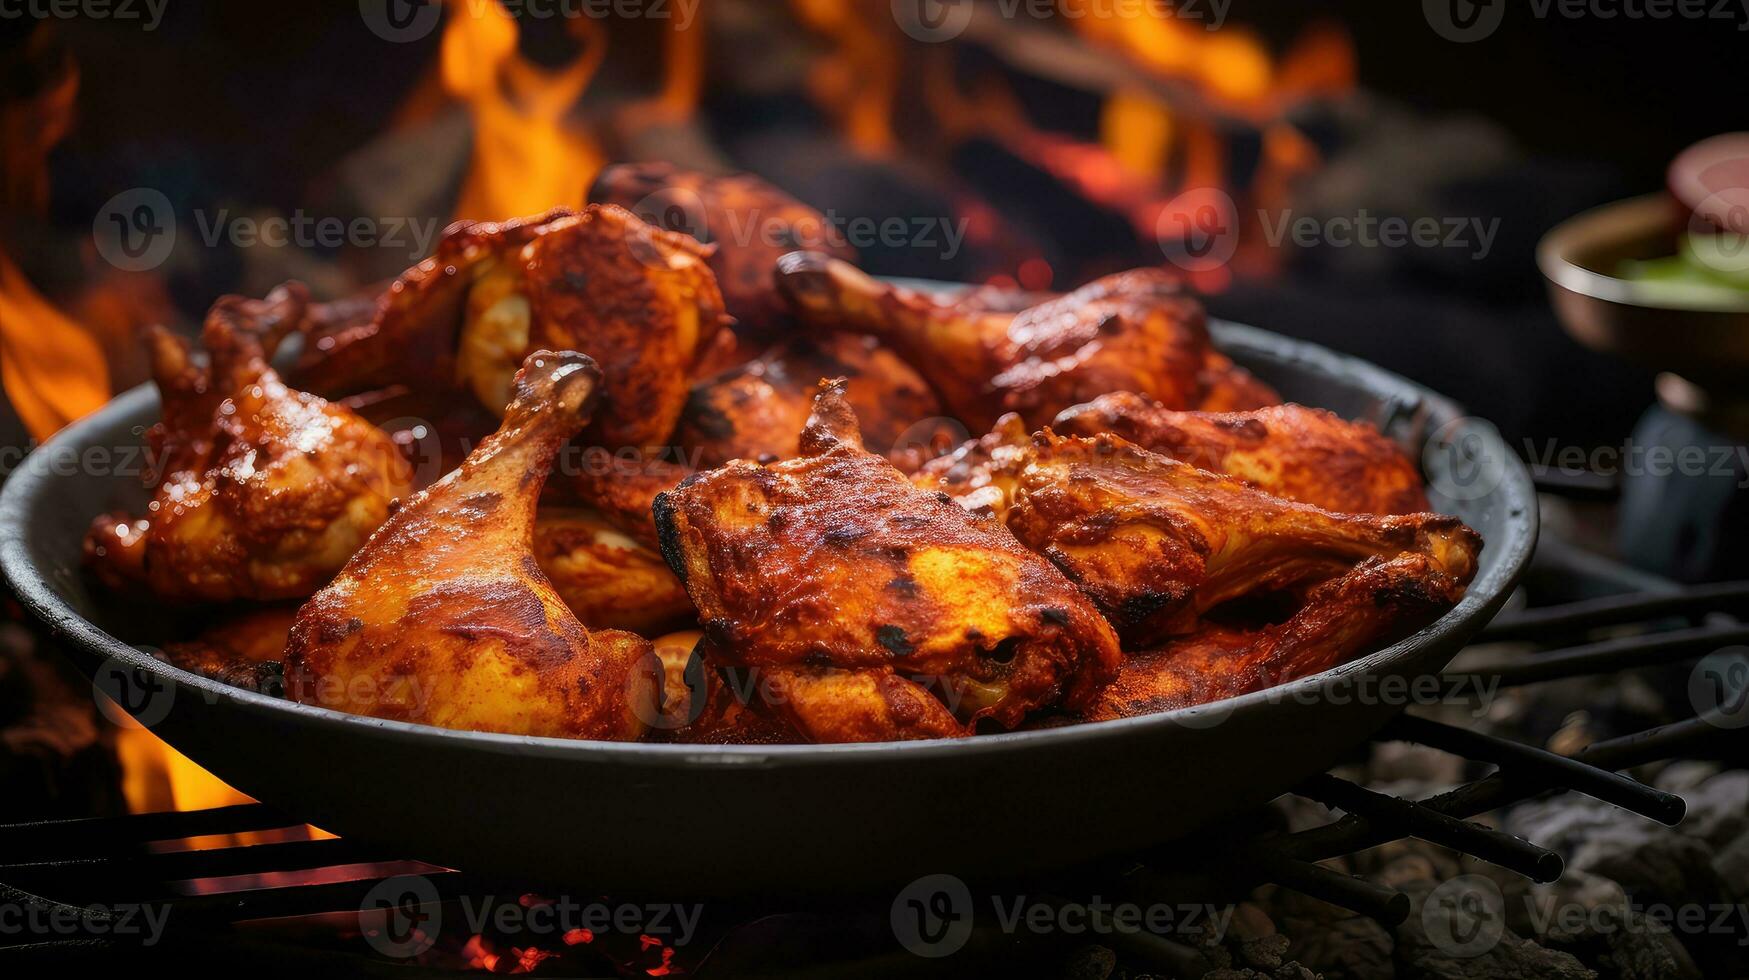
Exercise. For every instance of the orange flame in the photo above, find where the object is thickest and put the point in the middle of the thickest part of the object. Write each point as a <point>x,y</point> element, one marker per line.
<point>52,369</point>
<point>858,80</point>
<point>527,157</point>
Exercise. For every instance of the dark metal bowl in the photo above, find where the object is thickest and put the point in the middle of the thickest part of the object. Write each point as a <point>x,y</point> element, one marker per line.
<point>737,819</point>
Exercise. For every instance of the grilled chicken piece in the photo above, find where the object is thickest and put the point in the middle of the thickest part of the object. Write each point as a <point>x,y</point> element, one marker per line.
<point>607,579</point>
<point>1227,387</point>
<point>981,474</point>
<point>1376,602</point>
<point>756,411</point>
<point>1303,454</point>
<point>751,223</point>
<point>844,585</point>
<point>1133,331</point>
<point>242,650</point>
<point>266,491</point>
<point>639,300</point>
<point>1157,543</point>
<point>700,706</point>
<point>622,488</point>
<point>415,334</point>
<point>445,618</point>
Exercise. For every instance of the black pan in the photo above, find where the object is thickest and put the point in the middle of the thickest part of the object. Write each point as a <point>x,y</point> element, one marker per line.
<point>725,820</point>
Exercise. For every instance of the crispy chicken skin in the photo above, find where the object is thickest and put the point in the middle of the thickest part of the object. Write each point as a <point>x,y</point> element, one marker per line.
<point>445,618</point>
<point>1375,603</point>
<point>1227,387</point>
<point>751,223</point>
<point>607,579</point>
<point>241,650</point>
<point>639,300</point>
<point>981,474</point>
<point>1132,331</point>
<point>1304,454</point>
<point>266,491</point>
<point>413,337</point>
<point>833,562</point>
<point>1157,543</point>
<point>756,411</point>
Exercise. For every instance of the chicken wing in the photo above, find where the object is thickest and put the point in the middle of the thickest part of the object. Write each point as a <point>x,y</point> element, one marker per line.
<point>265,491</point>
<point>1375,603</point>
<point>1157,543</point>
<point>607,579</point>
<point>1304,454</point>
<point>751,223</point>
<point>837,579</point>
<point>639,300</point>
<point>756,411</point>
<point>445,618</point>
<point>1132,331</point>
<point>413,337</point>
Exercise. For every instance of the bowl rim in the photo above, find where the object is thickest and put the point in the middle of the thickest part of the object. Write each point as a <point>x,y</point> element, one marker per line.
<point>29,484</point>
<point>1555,251</point>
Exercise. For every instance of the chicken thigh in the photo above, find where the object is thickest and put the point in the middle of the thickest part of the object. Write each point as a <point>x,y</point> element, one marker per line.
<point>868,604</point>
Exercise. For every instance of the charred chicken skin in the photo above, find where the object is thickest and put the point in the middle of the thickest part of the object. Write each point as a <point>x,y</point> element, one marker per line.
<point>1132,331</point>
<point>751,224</point>
<point>266,491</point>
<point>446,619</point>
<point>756,411</point>
<point>1157,543</point>
<point>639,300</point>
<point>844,585</point>
<point>1377,602</point>
<point>1304,454</point>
